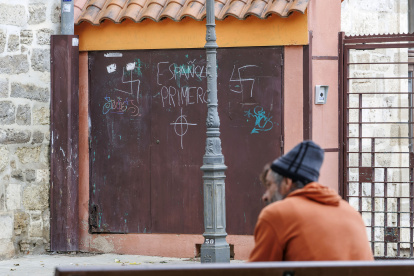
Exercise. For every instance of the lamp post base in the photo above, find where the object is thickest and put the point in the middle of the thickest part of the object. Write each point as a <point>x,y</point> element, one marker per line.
<point>215,251</point>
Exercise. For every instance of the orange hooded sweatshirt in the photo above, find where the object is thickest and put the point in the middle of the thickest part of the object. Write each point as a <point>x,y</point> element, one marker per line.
<point>310,224</point>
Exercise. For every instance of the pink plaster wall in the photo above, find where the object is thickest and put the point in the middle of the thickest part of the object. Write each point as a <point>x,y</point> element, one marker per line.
<point>293,96</point>
<point>329,171</point>
<point>168,245</point>
<point>324,20</point>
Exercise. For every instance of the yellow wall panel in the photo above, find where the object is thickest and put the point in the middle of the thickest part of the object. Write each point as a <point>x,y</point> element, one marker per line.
<point>190,33</point>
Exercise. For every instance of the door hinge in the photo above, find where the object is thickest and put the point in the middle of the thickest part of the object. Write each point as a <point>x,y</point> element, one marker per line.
<point>281,142</point>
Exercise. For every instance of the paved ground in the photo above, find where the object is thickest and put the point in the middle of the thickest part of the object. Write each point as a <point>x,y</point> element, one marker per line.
<point>45,264</point>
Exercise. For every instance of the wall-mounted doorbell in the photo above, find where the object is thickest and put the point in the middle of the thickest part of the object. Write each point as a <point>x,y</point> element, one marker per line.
<point>321,94</point>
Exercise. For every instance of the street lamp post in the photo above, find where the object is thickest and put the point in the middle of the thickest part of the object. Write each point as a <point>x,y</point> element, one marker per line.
<point>215,247</point>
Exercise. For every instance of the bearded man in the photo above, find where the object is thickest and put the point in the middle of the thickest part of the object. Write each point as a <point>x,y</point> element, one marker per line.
<point>305,220</point>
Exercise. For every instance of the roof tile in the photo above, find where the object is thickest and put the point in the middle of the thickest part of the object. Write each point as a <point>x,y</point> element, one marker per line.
<point>173,9</point>
<point>193,9</point>
<point>153,10</point>
<point>96,11</point>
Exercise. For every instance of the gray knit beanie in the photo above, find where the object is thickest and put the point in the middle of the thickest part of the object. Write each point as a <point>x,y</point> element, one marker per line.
<point>302,163</point>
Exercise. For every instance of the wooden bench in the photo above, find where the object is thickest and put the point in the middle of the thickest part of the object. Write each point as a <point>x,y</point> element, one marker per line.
<point>353,268</point>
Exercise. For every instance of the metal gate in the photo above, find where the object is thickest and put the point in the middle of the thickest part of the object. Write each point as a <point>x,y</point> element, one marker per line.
<point>376,74</point>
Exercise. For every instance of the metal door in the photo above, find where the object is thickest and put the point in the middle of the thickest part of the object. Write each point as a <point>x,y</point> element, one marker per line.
<point>166,141</point>
<point>378,156</point>
<point>120,117</point>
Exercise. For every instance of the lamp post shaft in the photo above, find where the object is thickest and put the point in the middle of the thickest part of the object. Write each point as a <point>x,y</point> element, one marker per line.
<point>215,247</point>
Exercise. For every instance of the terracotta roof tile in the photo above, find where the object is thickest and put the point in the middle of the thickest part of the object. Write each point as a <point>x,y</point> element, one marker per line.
<point>78,7</point>
<point>96,11</point>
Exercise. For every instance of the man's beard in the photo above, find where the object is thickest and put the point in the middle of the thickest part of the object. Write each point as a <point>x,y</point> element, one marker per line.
<point>276,197</point>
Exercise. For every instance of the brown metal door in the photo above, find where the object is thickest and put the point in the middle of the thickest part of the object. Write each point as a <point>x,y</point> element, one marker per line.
<point>178,129</point>
<point>120,117</point>
<point>173,83</point>
<point>250,109</point>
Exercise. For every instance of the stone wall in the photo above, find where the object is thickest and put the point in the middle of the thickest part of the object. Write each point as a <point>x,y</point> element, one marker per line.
<point>25,29</point>
<point>361,17</point>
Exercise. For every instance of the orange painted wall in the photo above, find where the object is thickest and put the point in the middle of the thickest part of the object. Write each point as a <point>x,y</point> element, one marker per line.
<point>190,33</point>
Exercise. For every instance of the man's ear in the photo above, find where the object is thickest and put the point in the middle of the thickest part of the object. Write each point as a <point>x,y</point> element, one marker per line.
<point>289,184</point>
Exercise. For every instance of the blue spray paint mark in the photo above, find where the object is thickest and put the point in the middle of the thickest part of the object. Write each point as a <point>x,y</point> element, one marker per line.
<point>100,219</point>
<point>263,122</point>
<point>109,156</point>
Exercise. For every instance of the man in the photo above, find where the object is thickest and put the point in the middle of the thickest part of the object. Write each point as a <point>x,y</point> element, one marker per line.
<point>309,222</point>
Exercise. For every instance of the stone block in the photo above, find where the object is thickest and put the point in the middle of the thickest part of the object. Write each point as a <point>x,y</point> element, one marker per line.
<point>41,116</point>
<point>7,249</point>
<point>36,197</point>
<point>13,197</point>
<point>4,158</point>
<point>33,246</point>
<point>46,226</point>
<point>2,40</point>
<point>28,155</point>
<point>23,115</point>
<point>35,216</point>
<point>30,175</point>
<point>17,174</point>
<point>3,194</point>
<point>7,113</point>
<point>4,88</point>
<point>21,220</point>
<point>45,157</point>
<point>41,60</point>
<point>55,16</point>
<point>37,13</point>
<point>29,91</point>
<point>16,64</point>
<point>13,43</point>
<point>47,136</point>
<point>6,226</point>
<point>42,176</point>
<point>37,137</point>
<point>43,36</point>
<point>36,229</point>
<point>14,136</point>
<point>24,49</point>
<point>13,15</point>
<point>26,37</point>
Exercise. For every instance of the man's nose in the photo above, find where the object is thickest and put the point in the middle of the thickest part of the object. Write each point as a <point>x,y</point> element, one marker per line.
<point>265,198</point>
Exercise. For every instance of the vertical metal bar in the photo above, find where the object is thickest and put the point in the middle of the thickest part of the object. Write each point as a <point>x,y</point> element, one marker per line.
<point>215,247</point>
<point>411,209</point>
<point>398,224</point>
<point>360,151</point>
<point>67,17</point>
<point>307,90</point>
<point>373,190</point>
<point>341,139</point>
<point>346,130</point>
<point>385,207</point>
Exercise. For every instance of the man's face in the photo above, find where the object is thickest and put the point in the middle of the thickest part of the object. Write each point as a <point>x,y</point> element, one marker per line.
<point>272,192</point>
